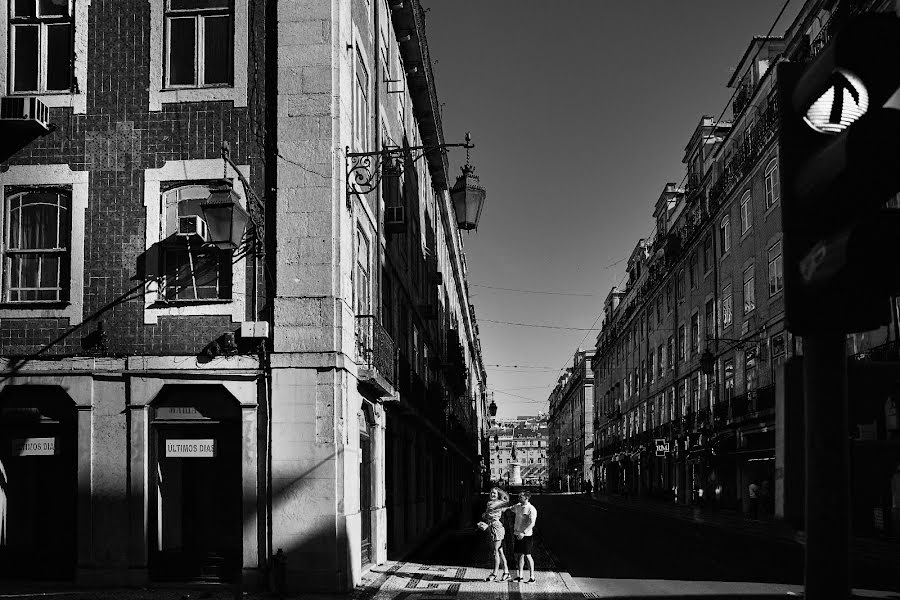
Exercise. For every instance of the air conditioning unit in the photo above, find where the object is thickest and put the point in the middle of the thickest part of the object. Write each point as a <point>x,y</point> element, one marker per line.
<point>192,226</point>
<point>395,219</point>
<point>25,108</point>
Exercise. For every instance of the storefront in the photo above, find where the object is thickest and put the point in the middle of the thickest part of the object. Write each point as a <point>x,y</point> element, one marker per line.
<point>38,483</point>
<point>196,518</point>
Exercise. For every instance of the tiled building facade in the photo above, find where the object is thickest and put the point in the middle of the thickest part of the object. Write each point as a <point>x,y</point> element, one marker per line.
<point>171,410</point>
<point>693,352</point>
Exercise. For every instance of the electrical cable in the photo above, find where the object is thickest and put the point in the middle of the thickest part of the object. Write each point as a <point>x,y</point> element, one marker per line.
<point>539,326</point>
<point>530,291</point>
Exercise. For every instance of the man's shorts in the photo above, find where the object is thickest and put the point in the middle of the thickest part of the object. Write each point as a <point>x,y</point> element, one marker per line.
<point>523,546</point>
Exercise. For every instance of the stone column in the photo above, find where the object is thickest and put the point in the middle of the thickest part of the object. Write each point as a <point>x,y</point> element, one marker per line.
<point>138,469</point>
<point>249,487</point>
<point>84,523</point>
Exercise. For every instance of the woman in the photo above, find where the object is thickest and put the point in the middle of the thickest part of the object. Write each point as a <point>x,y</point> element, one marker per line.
<point>498,502</point>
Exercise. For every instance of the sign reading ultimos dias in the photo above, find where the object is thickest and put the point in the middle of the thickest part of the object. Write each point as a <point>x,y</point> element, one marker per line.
<point>191,448</point>
<point>44,446</point>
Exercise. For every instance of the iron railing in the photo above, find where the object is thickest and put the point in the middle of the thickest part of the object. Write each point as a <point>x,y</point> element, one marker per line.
<point>374,347</point>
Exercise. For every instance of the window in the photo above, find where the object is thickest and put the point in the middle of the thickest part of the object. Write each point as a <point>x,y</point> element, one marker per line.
<point>681,391</point>
<point>199,44</point>
<point>670,352</point>
<point>682,343</point>
<point>692,270</point>
<point>725,234</point>
<point>191,272</point>
<point>661,355</point>
<point>650,359</point>
<point>658,311</point>
<point>773,187</point>
<point>776,269</point>
<point>695,392</point>
<point>707,254</point>
<point>361,275</point>
<point>680,283</point>
<point>749,290</point>
<point>777,345</point>
<point>750,369</point>
<point>643,372</point>
<point>710,320</point>
<point>361,105</point>
<point>729,379</point>
<point>727,315</point>
<point>40,45</point>
<point>36,245</point>
<point>695,332</point>
<point>746,213</point>
<point>669,298</point>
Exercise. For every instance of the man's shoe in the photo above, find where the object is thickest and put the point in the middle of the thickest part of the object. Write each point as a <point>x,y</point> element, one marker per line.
<point>518,579</point>
<point>530,580</point>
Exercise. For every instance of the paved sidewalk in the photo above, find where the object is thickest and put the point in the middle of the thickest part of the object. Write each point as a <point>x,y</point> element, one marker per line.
<point>453,566</point>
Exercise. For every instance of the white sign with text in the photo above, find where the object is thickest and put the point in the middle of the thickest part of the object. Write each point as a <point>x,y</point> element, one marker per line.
<point>191,448</point>
<point>34,446</point>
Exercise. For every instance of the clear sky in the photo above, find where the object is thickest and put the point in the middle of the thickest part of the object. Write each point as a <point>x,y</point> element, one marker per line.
<point>580,111</point>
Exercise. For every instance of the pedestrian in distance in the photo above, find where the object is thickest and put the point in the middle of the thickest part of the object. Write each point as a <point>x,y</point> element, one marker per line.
<point>523,532</point>
<point>498,501</point>
<point>588,487</point>
<point>753,493</point>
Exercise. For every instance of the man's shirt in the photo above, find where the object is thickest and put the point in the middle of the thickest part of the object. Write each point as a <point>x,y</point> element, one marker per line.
<point>526,517</point>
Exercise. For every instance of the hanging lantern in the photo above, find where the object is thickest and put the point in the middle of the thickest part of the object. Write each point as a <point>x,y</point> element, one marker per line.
<point>225,218</point>
<point>707,362</point>
<point>492,410</point>
<point>468,198</point>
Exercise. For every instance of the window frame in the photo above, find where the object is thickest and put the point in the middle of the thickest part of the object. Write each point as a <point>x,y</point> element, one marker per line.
<point>771,184</point>
<point>159,94</point>
<point>725,234</point>
<point>746,212</point>
<point>163,179</point>
<point>62,251</point>
<point>727,306</point>
<point>43,23</point>
<point>199,16</point>
<point>749,303</point>
<point>51,176</point>
<point>775,263</point>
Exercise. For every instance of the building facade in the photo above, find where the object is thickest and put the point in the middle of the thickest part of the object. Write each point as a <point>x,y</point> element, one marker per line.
<point>698,383</point>
<point>525,436</point>
<point>181,396</point>
<point>571,425</point>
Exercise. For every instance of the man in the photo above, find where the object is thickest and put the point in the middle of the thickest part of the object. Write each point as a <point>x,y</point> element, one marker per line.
<point>523,532</point>
<point>753,492</point>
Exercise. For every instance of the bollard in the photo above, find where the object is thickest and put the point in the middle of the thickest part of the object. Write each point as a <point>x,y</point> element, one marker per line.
<point>279,572</point>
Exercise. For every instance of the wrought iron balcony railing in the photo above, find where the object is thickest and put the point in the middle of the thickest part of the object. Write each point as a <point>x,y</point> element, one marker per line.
<point>375,354</point>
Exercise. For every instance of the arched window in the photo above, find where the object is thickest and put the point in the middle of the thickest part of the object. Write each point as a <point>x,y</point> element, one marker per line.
<point>746,212</point>
<point>37,251</point>
<point>191,271</point>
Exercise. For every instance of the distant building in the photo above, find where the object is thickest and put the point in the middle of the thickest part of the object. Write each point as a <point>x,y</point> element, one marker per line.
<point>570,425</point>
<point>528,435</point>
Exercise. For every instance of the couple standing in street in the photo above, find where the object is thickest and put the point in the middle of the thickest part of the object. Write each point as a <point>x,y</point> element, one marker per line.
<point>523,532</point>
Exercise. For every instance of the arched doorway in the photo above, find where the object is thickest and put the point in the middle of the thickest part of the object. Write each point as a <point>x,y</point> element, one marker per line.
<point>196,519</point>
<point>38,483</point>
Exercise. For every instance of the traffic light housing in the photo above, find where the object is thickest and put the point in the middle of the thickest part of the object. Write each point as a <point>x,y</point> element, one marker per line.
<point>839,156</point>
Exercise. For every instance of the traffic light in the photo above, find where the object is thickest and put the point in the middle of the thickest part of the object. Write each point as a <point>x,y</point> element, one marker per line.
<point>839,156</point>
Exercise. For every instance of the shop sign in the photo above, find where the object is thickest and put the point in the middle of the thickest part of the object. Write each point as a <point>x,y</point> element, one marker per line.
<point>662,447</point>
<point>34,446</point>
<point>191,448</point>
<point>178,412</point>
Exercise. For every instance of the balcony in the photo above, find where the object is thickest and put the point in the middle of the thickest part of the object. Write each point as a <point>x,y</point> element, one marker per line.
<point>375,356</point>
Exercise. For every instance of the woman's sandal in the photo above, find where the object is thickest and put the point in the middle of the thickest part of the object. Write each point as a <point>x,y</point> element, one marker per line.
<point>491,577</point>
<point>505,576</point>
<point>530,580</point>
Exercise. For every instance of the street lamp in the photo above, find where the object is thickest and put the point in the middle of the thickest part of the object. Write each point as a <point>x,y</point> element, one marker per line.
<point>225,218</point>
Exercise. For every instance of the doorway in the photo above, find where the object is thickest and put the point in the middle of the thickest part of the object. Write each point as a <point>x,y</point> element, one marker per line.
<point>365,488</point>
<point>38,484</point>
<point>197,522</point>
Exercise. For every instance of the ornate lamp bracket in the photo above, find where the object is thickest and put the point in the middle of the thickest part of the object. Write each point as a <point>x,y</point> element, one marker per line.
<point>364,169</point>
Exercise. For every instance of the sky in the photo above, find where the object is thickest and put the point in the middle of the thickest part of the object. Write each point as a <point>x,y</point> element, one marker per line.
<point>579,111</point>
